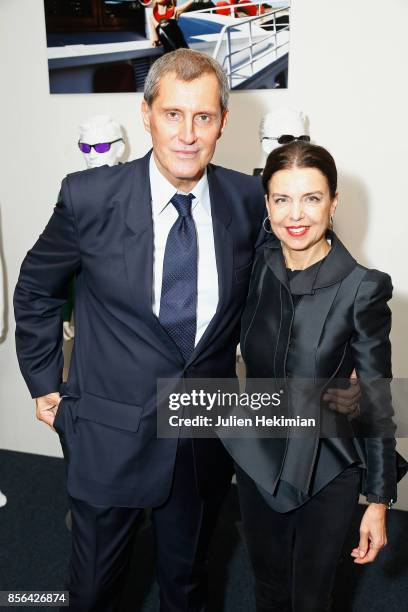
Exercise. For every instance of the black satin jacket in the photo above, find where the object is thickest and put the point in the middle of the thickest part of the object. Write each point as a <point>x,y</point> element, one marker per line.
<point>341,322</point>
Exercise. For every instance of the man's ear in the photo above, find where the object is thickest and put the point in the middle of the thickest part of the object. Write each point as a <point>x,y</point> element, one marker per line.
<point>224,120</point>
<point>145,115</point>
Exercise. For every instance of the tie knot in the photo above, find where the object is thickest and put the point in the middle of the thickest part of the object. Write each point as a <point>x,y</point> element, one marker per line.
<point>182,203</point>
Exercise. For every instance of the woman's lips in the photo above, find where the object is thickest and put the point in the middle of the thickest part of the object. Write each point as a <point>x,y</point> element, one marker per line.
<point>297,230</point>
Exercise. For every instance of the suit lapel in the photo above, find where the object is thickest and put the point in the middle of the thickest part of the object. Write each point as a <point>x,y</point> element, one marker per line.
<point>138,241</point>
<point>275,261</point>
<point>138,250</point>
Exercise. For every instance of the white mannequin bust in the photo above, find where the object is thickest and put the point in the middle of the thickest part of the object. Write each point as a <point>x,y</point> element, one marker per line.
<point>279,122</point>
<point>102,129</point>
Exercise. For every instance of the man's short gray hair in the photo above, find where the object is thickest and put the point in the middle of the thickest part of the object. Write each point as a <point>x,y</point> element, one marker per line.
<point>187,64</point>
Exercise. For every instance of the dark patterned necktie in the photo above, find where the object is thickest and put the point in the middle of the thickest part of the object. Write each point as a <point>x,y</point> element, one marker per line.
<point>178,302</point>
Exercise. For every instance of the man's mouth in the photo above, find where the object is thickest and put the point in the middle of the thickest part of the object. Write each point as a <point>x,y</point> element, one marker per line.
<point>186,152</point>
<point>297,230</point>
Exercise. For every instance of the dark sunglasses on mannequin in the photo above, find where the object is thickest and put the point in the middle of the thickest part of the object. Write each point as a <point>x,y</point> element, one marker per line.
<point>287,138</point>
<point>100,147</point>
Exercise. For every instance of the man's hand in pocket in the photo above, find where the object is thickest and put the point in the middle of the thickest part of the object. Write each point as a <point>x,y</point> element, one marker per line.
<point>46,408</point>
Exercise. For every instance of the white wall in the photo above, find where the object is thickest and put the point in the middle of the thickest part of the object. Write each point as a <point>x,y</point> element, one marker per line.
<point>346,72</point>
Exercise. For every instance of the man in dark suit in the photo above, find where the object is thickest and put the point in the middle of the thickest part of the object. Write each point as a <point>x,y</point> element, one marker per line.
<point>161,249</point>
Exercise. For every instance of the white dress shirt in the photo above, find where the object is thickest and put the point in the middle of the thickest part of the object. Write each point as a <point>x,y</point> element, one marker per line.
<point>164,216</point>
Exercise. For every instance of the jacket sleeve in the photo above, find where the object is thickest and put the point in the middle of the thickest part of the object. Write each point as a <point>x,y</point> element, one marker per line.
<point>372,358</point>
<point>41,290</point>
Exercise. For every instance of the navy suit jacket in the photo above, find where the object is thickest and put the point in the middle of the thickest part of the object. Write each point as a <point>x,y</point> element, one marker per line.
<point>101,232</point>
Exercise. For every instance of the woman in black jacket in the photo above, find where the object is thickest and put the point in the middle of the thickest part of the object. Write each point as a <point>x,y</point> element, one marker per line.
<point>312,313</point>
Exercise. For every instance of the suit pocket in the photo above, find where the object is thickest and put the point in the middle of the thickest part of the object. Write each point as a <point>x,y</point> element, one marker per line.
<point>64,412</point>
<point>109,412</point>
<point>242,274</point>
<point>58,416</point>
<point>64,424</point>
<point>107,441</point>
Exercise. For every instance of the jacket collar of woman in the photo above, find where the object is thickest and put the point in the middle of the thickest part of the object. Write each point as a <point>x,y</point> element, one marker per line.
<point>333,268</point>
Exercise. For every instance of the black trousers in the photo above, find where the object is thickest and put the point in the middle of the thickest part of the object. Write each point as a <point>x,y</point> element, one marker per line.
<point>102,544</point>
<point>295,555</point>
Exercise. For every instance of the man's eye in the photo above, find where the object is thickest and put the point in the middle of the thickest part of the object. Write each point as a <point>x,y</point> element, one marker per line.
<point>172,115</point>
<point>204,118</point>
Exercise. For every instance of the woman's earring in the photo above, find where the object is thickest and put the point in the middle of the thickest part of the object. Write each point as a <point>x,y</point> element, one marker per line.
<point>331,222</point>
<point>268,231</point>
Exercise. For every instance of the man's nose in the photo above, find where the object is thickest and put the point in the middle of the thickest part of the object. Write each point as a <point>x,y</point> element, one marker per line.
<point>187,131</point>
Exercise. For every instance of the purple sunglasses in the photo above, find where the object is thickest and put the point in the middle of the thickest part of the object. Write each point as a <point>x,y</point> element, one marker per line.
<point>100,147</point>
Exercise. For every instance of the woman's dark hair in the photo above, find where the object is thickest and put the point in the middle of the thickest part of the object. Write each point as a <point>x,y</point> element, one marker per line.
<point>299,154</point>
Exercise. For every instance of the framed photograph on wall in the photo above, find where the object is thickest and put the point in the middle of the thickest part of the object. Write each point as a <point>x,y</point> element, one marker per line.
<point>99,46</point>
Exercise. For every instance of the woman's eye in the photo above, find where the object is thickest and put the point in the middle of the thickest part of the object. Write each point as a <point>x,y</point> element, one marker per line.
<point>313,199</point>
<point>280,200</point>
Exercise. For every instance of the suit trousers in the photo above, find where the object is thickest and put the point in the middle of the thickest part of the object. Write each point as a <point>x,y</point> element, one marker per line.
<point>182,526</point>
<point>294,555</point>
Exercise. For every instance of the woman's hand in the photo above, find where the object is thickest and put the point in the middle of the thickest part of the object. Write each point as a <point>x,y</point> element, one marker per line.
<point>373,534</point>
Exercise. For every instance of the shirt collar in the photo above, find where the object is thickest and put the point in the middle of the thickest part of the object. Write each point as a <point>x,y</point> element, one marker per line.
<point>162,190</point>
<point>337,264</point>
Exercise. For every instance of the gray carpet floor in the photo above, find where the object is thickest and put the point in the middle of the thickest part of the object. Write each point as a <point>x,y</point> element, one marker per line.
<point>35,545</point>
